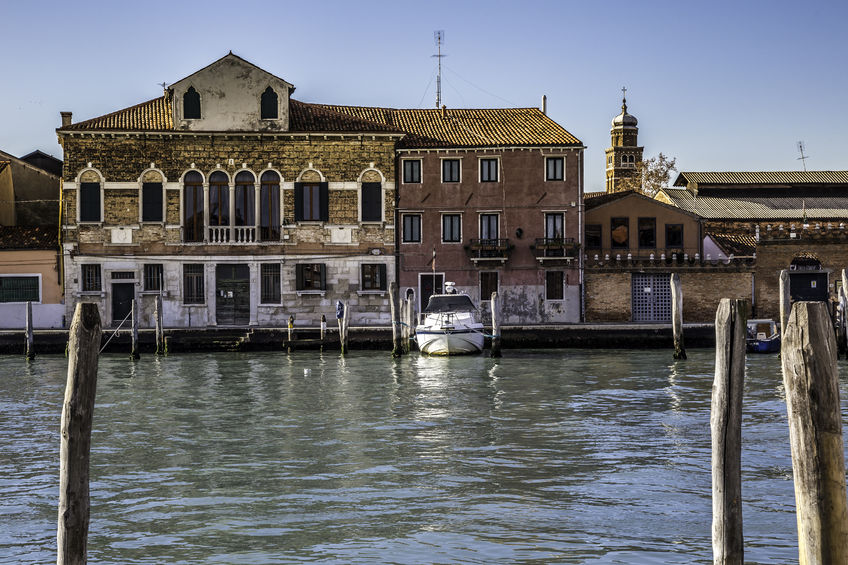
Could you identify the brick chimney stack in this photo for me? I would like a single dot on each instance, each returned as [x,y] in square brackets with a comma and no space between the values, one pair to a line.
[67,117]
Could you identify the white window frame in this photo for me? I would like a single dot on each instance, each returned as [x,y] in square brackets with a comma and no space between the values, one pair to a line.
[442,169]
[420,170]
[403,228]
[480,160]
[545,172]
[442,228]
[40,289]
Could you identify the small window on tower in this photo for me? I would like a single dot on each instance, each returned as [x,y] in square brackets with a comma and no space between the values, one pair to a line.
[269,104]
[191,104]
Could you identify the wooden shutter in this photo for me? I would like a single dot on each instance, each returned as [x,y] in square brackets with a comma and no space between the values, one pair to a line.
[90,202]
[323,276]
[324,202]
[151,202]
[372,202]
[298,202]
[298,275]
[381,272]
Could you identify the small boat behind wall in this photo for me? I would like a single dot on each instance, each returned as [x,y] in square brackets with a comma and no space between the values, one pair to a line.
[763,336]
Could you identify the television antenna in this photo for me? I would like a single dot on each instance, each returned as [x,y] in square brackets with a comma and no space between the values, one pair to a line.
[803,158]
[439,36]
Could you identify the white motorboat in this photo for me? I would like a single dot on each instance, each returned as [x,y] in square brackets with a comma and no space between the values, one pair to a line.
[449,326]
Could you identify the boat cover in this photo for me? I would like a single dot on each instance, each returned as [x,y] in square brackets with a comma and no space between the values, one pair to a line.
[449,303]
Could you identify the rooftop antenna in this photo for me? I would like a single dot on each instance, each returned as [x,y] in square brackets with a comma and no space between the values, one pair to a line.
[439,35]
[803,158]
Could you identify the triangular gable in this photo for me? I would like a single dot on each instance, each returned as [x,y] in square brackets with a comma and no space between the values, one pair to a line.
[638,195]
[234,58]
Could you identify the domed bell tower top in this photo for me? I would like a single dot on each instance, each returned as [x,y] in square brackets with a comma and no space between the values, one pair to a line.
[624,153]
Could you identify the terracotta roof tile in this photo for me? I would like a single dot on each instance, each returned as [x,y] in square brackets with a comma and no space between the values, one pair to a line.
[24,237]
[739,245]
[153,115]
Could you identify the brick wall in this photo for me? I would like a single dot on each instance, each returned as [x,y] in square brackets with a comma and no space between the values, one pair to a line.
[607,297]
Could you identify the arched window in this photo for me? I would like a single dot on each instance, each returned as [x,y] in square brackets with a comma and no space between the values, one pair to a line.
[191,104]
[219,199]
[244,210]
[269,207]
[269,104]
[193,206]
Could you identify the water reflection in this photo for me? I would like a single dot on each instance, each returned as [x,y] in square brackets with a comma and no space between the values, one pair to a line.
[541,456]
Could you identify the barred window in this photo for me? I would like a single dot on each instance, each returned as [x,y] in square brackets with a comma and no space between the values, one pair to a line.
[311,276]
[193,292]
[153,277]
[554,285]
[270,290]
[374,277]
[91,281]
[488,284]
[19,289]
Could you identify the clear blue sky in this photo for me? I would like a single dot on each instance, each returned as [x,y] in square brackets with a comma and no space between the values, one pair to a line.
[720,85]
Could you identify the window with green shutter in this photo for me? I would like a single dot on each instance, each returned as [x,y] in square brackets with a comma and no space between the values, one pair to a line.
[19,289]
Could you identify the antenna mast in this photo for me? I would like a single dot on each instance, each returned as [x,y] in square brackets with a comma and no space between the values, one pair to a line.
[439,35]
[803,158]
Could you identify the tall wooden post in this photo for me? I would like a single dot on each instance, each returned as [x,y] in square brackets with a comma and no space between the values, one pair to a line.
[726,431]
[160,332]
[134,352]
[677,316]
[496,326]
[843,307]
[404,338]
[785,300]
[395,311]
[344,324]
[77,411]
[323,329]
[30,350]
[811,381]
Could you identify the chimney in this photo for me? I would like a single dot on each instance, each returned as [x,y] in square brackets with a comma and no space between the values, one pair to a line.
[544,104]
[66,118]
[443,110]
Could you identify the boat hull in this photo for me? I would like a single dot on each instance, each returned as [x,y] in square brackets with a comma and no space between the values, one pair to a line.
[449,342]
[763,345]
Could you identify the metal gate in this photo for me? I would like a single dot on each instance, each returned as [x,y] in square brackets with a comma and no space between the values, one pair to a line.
[651,297]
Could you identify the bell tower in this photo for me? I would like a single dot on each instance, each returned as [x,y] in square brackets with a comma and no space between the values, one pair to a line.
[624,153]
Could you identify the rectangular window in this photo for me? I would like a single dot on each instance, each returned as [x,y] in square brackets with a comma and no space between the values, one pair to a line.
[153,278]
[488,226]
[620,233]
[647,233]
[311,202]
[19,289]
[269,211]
[450,170]
[89,205]
[193,284]
[674,236]
[372,202]
[488,284]
[373,277]
[219,204]
[270,284]
[593,236]
[193,210]
[91,281]
[554,168]
[412,170]
[412,228]
[123,275]
[151,202]
[488,170]
[452,228]
[555,225]
[311,276]
[554,285]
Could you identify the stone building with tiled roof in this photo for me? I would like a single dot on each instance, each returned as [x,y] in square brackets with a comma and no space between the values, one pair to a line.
[240,205]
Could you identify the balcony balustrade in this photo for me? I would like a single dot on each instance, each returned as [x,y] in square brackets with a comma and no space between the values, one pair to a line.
[553,249]
[488,250]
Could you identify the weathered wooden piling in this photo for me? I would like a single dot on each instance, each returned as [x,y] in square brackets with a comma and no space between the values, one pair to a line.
[785,300]
[496,325]
[843,323]
[345,321]
[30,349]
[291,327]
[395,312]
[810,379]
[160,332]
[677,316]
[134,354]
[323,329]
[409,320]
[726,431]
[77,411]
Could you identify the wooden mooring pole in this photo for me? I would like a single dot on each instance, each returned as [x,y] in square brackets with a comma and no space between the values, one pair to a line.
[785,300]
[726,431]
[496,325]
[810,378]
[77,411]
[134,354]
[345,321]
[30,350]
[160,332]
[395,311]
[409,319]
[677,316]
[842,345]
[323,329]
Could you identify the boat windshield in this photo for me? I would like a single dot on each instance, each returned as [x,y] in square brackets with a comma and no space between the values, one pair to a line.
[449,303]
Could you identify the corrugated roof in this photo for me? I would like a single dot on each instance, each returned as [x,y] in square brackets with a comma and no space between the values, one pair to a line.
[767,178]
[746,206]
[463,127]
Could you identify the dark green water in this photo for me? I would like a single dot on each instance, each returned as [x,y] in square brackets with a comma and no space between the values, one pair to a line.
[558,456]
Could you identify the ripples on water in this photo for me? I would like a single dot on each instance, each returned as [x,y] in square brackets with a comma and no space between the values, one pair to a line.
[543,456]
